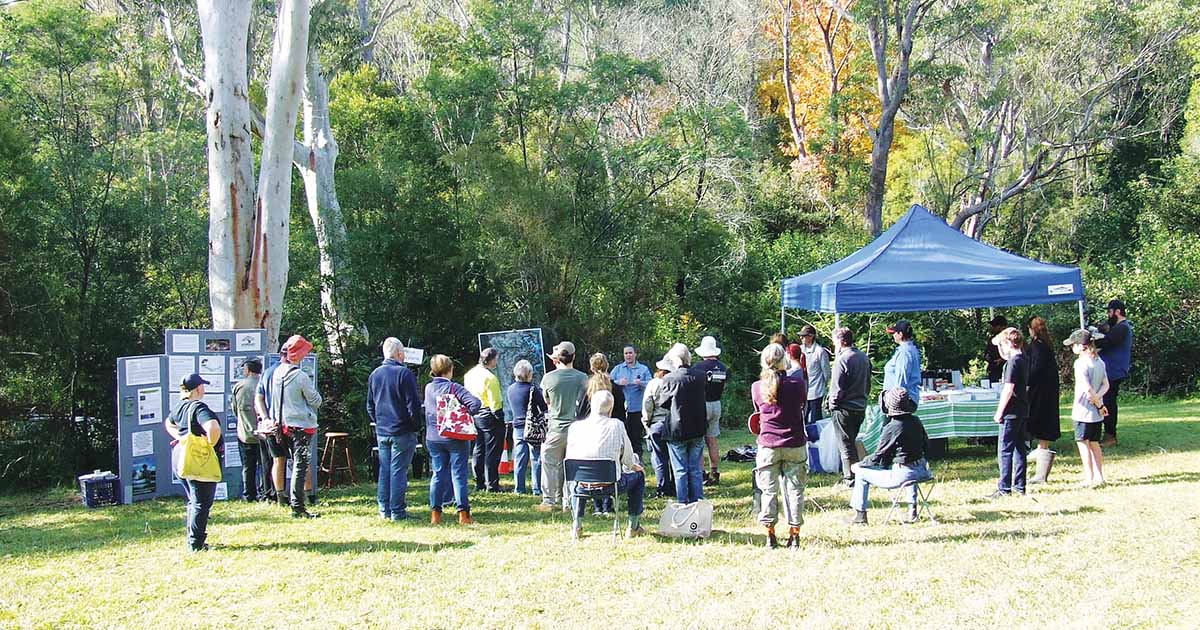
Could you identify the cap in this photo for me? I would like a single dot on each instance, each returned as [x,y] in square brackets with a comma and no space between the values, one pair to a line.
[1115,304]
[998,320]
[563,349]
[807,330]
[1007,333]
[192,382]
[1082,336]
[902,327]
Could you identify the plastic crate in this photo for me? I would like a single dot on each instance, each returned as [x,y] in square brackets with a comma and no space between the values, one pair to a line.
[100,488]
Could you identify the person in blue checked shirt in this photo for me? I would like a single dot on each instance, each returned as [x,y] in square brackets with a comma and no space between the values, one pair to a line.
[632,378]
[904,368]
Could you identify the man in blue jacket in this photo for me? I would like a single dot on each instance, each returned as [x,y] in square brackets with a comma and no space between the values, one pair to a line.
[1116,349]
[394,406]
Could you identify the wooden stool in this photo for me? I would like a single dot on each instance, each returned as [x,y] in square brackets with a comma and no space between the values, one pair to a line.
[329,456]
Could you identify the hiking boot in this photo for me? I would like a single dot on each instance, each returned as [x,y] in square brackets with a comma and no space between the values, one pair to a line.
[304,514]
[435,517]
[312,499]
[772,542]
[860,518]
[634,532]
[793,541]
[712,479]
[464,517]
[1109,441]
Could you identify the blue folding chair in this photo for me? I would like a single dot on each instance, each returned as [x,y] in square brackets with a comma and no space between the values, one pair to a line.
[590,479]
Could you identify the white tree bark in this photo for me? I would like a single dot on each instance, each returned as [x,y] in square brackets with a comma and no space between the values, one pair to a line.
[269,263]
[224,27]
[316,159]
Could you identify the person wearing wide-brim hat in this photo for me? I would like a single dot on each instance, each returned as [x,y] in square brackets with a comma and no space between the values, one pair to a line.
[899,458]
[715,375]
[1087,405]
[991,352]
[195,417]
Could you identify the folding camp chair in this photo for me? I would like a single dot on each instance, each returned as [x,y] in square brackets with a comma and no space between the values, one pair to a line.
[589,479]
[924,491]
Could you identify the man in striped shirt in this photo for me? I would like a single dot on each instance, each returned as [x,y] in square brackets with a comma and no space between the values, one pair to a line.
[600,436]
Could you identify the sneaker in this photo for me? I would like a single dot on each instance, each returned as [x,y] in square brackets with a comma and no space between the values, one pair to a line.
[712,479]
[305,514]
[999,494]
[401,517]
[544,507]
[913,515]
[203,547]
[1109,441]
[634,532]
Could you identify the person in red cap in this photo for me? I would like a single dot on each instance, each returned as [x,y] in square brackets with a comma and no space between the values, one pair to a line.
[288,396]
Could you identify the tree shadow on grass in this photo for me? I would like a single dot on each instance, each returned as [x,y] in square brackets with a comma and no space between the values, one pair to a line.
[760,540]
[352,546]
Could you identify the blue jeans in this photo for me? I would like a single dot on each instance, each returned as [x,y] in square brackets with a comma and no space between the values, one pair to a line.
[685,463]
[523,453]
[893,477]
[451,464]
[1012,449]
[661,459]
[395,456]
[200,495]
[633,485]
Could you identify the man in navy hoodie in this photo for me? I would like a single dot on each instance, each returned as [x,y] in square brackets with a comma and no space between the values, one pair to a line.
[395,407]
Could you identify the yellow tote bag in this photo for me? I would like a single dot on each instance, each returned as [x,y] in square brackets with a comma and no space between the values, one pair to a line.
[194,458]
[199,460]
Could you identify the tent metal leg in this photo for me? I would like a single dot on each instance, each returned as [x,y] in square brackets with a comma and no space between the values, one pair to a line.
[782,319]
[1082,322]
[837,320]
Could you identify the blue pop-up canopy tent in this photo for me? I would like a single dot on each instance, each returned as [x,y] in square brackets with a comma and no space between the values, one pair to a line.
[923,264]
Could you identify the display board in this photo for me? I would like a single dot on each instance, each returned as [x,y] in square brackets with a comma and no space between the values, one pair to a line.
[148,391]
[514,345]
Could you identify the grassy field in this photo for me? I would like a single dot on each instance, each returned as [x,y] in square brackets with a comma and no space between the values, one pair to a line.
[1125,555]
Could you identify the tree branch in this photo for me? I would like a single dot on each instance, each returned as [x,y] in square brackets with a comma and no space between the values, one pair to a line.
[190,80]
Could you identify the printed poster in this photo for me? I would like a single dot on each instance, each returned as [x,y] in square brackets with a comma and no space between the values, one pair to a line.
[186,343]
[143,443]
[179,368]
[248,342]
[222,491]
[149,405]
[141,371]
[143,477]
[212,364]
[233,456]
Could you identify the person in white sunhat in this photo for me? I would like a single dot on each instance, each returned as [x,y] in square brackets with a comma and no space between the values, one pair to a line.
[714,374]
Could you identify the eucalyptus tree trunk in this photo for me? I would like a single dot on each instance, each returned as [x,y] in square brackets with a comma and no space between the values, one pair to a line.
[269,263]
[224,28]
[316,159]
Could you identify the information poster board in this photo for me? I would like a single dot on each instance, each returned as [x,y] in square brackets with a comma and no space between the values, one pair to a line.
[514,345]
[148,391]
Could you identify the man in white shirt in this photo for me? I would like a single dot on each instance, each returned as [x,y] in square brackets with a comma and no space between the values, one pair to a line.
[600,436]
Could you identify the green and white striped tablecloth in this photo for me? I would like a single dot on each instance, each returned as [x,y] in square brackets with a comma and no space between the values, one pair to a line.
[942,419]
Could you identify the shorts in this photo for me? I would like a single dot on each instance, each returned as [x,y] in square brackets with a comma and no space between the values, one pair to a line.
[1088,431]
[275,448]
[713,412]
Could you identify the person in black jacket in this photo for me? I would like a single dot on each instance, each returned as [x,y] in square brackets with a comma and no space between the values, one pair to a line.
[684,391]
[1044,391]
[849,386]
[900,457]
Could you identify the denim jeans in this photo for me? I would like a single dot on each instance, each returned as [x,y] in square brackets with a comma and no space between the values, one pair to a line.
[661,459]
[632,485]
[249,454]
[1012,449]
[266,485]
[781,471]
[686,457]
[450,462]
[395,456]
[893,477]
[301,453]
[523,454]
[489,446]
[200,495]
[554,450]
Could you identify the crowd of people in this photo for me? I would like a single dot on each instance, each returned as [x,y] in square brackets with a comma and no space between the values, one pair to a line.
[611,413]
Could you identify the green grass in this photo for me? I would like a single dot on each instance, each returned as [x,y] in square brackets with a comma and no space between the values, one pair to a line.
[1126,555]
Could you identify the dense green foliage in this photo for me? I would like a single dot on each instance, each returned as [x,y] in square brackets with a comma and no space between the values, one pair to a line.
[636,194]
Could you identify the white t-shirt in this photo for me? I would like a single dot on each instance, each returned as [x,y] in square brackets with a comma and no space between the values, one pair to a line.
[1088,371]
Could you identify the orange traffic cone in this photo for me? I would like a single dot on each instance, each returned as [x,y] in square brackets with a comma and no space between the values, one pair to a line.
[506,466]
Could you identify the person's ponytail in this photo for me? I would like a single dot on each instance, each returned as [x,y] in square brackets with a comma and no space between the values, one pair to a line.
[772,361]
